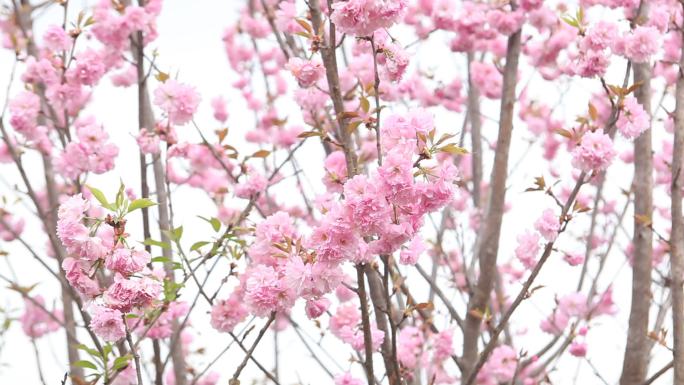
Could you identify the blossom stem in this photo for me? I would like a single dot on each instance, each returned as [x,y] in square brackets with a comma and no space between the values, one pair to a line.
[234,380]
[134,352]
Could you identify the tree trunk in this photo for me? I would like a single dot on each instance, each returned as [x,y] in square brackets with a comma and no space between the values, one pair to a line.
[491,230]
[635,364]
[677,234]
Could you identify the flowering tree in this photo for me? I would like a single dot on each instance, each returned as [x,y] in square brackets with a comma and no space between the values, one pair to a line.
[371,204]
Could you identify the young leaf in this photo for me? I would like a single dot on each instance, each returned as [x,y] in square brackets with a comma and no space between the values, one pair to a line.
[92,352]
[215,224]
[307,134]
[177,233]
[197,245]
[85,364]
[260,154]
[140,204]
[365,104]
[121,362]
[453,149]
[160,259]
[304,24]
[564,133]
[152,242]
[222,134]
[99,195]
[162,76]
[593,112]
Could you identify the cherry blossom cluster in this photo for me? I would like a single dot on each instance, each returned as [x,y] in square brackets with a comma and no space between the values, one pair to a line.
[114,278]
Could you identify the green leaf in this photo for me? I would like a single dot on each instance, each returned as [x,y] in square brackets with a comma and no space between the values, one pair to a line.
[141,204]
[107,349]
[161,259]
[197,245]
[85,364]
[365,104]
[152,242]
[120,196]
[215,223]
[90,351]
[571,21]
[89,21]
[121,362]
[99,195]
[177,233]
[171,290]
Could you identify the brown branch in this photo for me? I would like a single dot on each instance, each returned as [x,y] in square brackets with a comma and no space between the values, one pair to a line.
[475,133]
[524,293]
[365,324]
[383,309]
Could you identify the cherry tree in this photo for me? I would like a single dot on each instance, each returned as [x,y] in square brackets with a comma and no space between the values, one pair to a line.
[385,192]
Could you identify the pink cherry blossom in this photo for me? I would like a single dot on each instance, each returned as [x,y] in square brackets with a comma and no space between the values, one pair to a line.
[226,314]
[548,225]
[307,72]
[37,320]
[108,324]
[363,17]
[594,153]
[56,39]
[641,44]
[316,307]
[487,79]
[410,255]
[126,261]
[347,379]
[527,250]
[633,120]
[179,101]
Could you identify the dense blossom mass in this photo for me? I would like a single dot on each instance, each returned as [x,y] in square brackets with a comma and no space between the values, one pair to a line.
[405,191]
